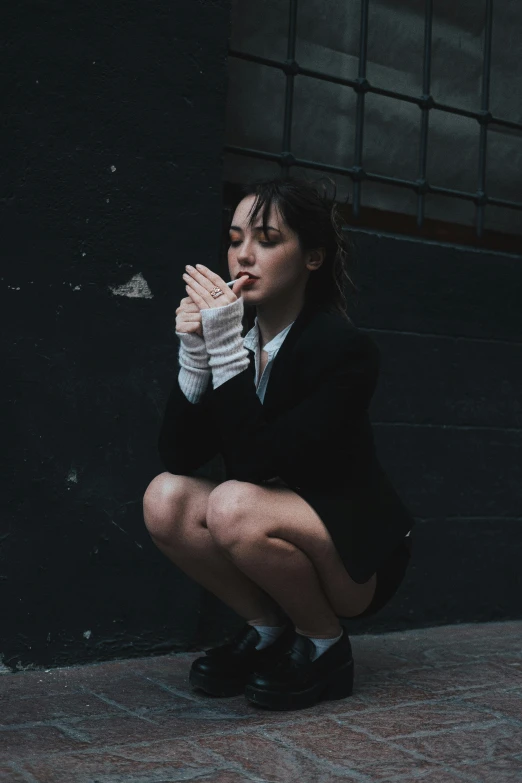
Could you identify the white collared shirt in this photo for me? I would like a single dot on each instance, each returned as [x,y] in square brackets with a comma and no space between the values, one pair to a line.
[252,342]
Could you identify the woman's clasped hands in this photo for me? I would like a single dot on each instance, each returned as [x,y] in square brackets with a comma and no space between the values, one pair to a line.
[200,281]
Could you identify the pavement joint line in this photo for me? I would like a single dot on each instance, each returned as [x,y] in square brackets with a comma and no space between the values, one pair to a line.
[71,732]
[458,645]
[204,775]
[321,761]
[112,749]
[205,713]
[415,754]
[470,763]
[438,732]
[116,704]
[340,768]
[489,711]
[484,759]
[455,642]
[305,719]
[370,709]
[28,776]
[455,689]
[434,689]
[412,774]
[501,689]
[430,667]
[232,765]
[159,713]
[233,731]
[34,724]
[175,691]
[420,637]
[442,700]
[487,760]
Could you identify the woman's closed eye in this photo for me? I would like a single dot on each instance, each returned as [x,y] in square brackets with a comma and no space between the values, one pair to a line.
[235,243]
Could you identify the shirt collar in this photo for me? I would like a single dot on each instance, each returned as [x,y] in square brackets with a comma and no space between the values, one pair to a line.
[251,339]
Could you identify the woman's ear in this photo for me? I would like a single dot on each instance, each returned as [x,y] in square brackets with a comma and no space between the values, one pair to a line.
[316,258]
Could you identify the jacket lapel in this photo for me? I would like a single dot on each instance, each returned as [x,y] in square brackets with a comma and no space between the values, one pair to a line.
[279,391]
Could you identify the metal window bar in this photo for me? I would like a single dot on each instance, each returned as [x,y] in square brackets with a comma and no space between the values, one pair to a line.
[486,69]
[425,113]
[361,86]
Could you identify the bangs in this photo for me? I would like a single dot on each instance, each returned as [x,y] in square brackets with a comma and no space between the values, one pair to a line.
[263,201]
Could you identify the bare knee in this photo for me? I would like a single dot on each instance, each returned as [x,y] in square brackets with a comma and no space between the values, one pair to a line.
[164,505]
[228,506]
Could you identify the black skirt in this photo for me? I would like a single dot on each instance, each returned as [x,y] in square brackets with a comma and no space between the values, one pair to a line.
[389,577]
[367,522]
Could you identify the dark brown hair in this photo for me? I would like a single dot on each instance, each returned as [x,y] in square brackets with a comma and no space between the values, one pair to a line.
[314,217]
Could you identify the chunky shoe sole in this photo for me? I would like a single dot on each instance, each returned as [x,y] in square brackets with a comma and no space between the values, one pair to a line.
[217,686]
[337,684]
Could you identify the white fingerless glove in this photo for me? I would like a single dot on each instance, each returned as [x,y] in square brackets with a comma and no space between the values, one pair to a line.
[194,373]
[222,328]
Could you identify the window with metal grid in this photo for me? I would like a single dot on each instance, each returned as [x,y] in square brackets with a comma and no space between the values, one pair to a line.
[416,115]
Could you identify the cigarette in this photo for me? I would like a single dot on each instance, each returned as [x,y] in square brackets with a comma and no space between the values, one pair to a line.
[232,282]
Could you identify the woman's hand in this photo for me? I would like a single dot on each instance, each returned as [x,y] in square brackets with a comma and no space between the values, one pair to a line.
[188,317]
[201,281]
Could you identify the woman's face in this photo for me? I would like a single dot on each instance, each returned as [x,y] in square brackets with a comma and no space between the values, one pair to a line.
[276,259]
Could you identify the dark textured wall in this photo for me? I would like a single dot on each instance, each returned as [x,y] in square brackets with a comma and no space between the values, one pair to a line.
[111,181]
[448,421]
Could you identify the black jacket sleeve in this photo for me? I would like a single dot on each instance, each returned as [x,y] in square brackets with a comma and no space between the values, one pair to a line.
[329,417]
[187,437]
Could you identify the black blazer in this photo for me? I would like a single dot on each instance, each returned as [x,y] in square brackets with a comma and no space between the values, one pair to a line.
[312,430]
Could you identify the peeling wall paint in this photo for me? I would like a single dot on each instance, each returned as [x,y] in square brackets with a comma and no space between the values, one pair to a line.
[136,287]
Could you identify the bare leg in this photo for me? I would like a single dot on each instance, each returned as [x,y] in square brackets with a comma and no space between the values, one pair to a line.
[275,538]
[287,574]
[174,509]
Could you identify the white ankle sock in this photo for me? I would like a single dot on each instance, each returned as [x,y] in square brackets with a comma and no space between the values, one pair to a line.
[268,634]
[321,645]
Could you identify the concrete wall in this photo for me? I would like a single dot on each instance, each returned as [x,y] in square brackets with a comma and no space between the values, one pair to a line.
[111,182]
[448,421]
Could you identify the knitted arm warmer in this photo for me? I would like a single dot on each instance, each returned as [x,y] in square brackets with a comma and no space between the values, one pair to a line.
[194,372]
[222,332]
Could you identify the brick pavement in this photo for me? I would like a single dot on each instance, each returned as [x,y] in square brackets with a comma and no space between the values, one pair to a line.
[437,705]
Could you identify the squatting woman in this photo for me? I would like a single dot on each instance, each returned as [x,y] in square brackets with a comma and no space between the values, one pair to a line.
[274,376]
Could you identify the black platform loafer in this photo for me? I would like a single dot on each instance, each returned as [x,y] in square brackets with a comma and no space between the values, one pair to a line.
[294,681]
[224,670]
